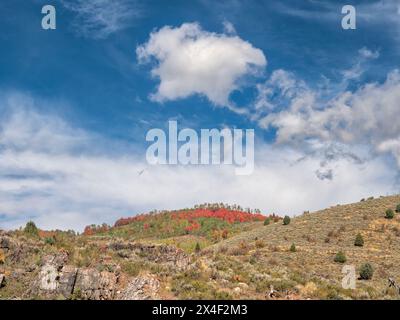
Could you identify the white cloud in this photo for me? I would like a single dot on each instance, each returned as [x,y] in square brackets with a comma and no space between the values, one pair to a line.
[368,54]
[99,18]
[229,28]
[69,185]
[366,116]
[192,61]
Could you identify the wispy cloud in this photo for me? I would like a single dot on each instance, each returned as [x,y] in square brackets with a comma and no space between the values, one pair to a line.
[375,14]
[100,18]
[63,177]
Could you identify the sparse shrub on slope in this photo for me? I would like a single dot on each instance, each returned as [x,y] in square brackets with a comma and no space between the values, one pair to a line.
[398,208]
[260,244]
[267,221]
[293,248]
[286,220]
[31,229]
[197,249]
[359,241]
[49,240]
[389,214]
[340,257]
[366,271]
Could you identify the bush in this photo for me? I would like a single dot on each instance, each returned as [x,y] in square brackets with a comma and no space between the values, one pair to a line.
[50,240]
[286,220]
[267,221]
[366,271]
[197,249]
[31,229]
[340,257]
[359,241]
[260,244]
[398,208]
[389,214]
[293,248]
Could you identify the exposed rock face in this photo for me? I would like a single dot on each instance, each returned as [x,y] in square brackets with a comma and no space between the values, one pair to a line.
[94,285]
[48,278]
[55,278]
[167,255]
[66,282]
[51,273]
[141,288]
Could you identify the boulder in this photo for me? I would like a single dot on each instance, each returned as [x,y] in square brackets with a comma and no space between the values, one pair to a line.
[48,278]
[51,272]
[66,282]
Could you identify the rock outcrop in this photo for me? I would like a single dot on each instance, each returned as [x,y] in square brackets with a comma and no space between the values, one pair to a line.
[57,278]
[51,273]
[167,255]
[94,285]
[16,250]
[141,288]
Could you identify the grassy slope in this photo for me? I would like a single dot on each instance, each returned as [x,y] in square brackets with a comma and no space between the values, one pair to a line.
[253,258]
[183,228]
[320,235]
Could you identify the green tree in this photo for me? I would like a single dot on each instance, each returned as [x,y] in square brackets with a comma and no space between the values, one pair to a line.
[340,257]
[31,229]
[366,271]
[389,214]
[197,248]
[359,241]
[286,220]
[267,221]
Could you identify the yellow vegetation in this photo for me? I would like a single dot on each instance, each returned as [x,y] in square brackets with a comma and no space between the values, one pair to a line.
[2,257]
[309,289]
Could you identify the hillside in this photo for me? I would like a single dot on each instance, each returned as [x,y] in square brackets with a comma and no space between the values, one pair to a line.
[205,225]
[208,252]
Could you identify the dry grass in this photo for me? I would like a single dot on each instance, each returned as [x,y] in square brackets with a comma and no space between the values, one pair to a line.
[320,235]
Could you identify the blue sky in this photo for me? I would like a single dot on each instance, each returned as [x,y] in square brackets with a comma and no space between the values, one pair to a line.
[76,103]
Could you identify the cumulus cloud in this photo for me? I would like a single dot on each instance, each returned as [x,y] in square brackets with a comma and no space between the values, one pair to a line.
[65,177]
[188,60]
[100,18]
[363,117]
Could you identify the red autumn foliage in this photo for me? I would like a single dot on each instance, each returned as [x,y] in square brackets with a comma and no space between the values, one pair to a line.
[93,229]
[46,234]
[192,226]
[230,216]
[125,221]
